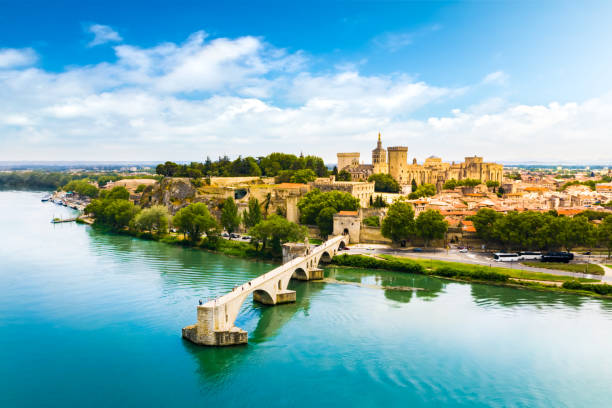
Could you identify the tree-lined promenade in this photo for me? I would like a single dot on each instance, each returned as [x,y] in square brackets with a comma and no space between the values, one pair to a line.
[530,230]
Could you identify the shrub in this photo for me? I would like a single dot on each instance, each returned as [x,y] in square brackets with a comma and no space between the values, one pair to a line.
[600,289]
[372,221]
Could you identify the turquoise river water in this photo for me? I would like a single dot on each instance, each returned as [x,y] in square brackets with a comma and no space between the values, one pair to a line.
[92,319]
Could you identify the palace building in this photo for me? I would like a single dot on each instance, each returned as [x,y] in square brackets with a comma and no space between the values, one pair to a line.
[394,161]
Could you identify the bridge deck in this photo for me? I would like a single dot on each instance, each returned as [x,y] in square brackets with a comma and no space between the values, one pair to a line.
[276,273]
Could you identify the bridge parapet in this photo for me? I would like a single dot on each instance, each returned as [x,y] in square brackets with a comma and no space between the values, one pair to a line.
[216,318]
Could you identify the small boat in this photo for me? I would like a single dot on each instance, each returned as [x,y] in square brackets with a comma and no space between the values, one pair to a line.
[46,198]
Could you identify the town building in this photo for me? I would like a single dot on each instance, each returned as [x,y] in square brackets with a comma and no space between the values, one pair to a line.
[394,161]
[360,190]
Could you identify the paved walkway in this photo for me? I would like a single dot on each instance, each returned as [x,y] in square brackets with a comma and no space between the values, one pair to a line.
[470,258]
[607,271]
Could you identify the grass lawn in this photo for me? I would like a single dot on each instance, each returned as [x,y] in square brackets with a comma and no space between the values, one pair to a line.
[513,273]
[315,241]
[592,268]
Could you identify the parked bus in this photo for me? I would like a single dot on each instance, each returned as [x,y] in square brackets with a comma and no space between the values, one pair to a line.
[558,257]
[529,255]
[503,257]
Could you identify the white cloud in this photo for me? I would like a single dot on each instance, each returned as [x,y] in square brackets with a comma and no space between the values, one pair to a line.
[103,34]
[11,57]
[496,78]
[244,96]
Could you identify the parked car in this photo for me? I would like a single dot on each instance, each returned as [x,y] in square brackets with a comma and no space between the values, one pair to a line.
[463,250]
[246,238]
[232,235]
[225,235]
[557,257]
[417,249]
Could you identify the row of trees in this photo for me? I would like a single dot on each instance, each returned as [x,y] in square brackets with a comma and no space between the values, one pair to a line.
[114,210]
[400,225]
[452,183]
[282,165]
[531,230]
[82,187]
[424,190]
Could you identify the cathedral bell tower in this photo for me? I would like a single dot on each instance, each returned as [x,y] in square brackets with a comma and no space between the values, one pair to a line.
[379,158]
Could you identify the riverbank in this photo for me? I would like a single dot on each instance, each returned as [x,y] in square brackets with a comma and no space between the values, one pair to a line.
[498,276]
[244,250]
[475,274]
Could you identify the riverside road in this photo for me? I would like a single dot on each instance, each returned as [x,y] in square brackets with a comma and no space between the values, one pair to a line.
[476,258]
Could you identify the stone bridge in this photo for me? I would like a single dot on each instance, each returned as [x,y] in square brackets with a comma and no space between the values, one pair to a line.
[215,325]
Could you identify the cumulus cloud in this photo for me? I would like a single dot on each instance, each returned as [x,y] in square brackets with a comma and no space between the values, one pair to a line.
[103,34]
[11,57]
[244,96]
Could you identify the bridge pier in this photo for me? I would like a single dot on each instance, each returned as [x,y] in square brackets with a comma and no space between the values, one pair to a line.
[229,337]
[310,274]
[282,296]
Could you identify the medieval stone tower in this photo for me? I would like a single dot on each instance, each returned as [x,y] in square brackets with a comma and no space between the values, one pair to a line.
[379,158]
[347,159]
[398,160]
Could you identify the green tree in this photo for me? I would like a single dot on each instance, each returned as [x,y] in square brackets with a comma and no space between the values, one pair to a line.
[325,221]
[252,216]
[604,233]
[431,225]
[424,190]
[384,183]
[230,219]
[378,202]
[484,222]
[344,175]
[277,230]
[399,224]
[469,182]
[303,176]
[311,204]
[118,213]
[116,193]
[493,184]
[82,187]
[372,221]
[450,184]
[140,188]
[414,185]
[195,220]
[154,219]
[577,231]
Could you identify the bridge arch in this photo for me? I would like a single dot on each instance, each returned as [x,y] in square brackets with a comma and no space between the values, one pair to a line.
[263,296]
[326,257]
[300,274]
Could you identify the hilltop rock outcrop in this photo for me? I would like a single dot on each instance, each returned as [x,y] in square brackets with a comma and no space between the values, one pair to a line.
[174,193]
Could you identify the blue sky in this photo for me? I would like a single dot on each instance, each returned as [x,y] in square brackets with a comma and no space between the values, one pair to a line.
[509,80]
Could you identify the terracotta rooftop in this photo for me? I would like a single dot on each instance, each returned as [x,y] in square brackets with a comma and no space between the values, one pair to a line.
[348,213]
[290,185]
[569,211]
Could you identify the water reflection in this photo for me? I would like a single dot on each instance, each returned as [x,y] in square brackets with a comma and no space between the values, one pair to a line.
[487,295]
[273,318]
[428,288]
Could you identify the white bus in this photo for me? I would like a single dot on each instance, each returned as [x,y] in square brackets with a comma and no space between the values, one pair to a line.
[530,255]
[502,257]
